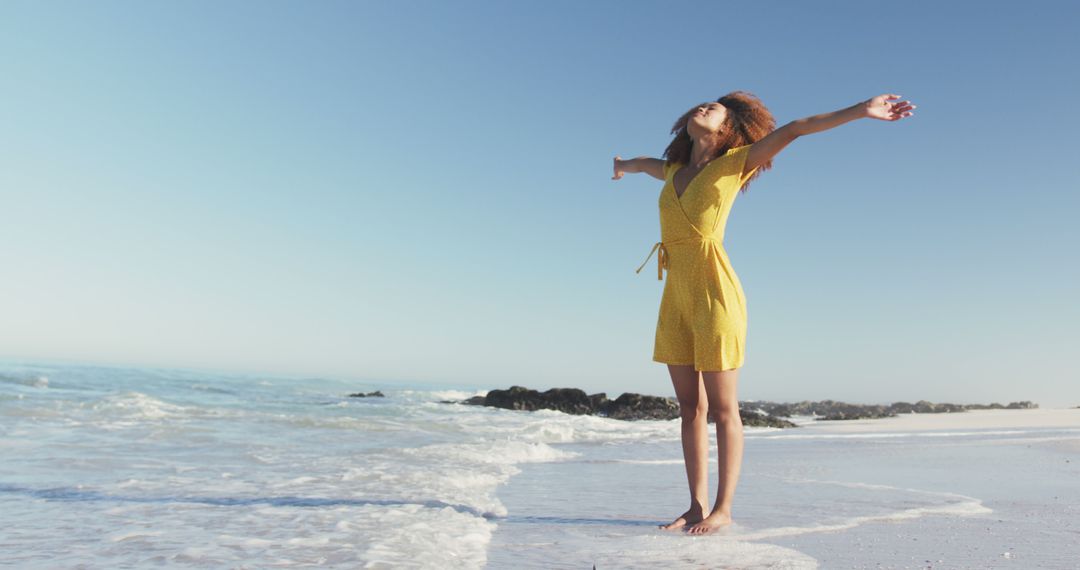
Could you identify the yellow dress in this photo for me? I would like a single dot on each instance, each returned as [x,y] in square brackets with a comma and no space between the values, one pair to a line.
[702,317]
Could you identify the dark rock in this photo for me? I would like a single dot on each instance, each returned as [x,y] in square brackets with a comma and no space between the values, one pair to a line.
[993,406]
[629,406]
[758,419]
[825,409]
[567,400]
[1025,405]
[632,406]
[375,394]
[833,410]
[924,407]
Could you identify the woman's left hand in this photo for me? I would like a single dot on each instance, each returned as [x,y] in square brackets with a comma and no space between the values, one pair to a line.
[881,107]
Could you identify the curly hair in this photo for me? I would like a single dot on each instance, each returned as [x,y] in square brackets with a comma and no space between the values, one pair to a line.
[747,121]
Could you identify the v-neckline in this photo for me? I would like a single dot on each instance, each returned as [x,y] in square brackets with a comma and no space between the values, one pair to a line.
[678,197]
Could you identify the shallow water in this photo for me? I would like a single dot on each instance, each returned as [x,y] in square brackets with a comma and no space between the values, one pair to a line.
[113,467]
[906,492]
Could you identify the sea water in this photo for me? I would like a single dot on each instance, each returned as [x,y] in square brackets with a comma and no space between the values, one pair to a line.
[104,467]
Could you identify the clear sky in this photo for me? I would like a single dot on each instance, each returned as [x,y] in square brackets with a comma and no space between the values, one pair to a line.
[408,192]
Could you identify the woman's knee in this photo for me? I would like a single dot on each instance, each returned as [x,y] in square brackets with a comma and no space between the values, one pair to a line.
[726,415]
[694,413]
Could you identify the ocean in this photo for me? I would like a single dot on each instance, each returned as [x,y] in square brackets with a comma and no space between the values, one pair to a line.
[109,467]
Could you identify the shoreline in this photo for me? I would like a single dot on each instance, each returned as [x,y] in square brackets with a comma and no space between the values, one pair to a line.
[947,490]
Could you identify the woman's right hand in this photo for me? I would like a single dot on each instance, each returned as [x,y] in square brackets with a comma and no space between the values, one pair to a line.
[619,167]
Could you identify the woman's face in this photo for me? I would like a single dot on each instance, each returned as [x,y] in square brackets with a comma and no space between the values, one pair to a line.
[706,119]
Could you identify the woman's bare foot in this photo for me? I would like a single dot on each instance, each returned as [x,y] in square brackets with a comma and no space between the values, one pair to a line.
[693,515]
[715,520]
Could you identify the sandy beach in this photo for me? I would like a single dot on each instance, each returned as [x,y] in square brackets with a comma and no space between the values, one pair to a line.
[978,489]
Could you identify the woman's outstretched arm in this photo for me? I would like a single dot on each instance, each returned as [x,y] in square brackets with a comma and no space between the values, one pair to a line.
[652,166]
[880,107]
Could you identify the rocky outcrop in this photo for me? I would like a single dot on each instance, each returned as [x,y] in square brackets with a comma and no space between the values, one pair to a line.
[629,406]
[375,394]
[833,410]
[758,419]
[568,400]
[1024,405]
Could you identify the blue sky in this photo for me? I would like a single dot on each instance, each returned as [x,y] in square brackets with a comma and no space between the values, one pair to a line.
[404,192]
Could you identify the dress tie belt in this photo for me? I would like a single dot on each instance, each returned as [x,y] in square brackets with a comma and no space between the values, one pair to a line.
[662,257]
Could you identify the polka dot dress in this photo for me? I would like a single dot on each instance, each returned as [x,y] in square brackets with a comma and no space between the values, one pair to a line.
[702,317]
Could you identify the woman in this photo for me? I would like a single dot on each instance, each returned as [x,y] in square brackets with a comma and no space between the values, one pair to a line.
[701,329]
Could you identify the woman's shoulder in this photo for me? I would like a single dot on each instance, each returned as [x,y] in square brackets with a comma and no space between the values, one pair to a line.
[735,155]
[670,167]
[737,149]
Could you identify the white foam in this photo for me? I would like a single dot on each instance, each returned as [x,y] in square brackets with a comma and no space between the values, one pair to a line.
[140,535]
[463,475]
[550,426]
[439,395]
[456,394]
[135,406]
[296,481]
[954,505]
[416,537]
[665,549]
[556,427]
[505,452]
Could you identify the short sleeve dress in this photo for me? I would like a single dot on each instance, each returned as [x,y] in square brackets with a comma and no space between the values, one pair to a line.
[702,318]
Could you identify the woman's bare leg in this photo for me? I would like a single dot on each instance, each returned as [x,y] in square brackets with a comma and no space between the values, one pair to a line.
[720,388]
[693,407]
